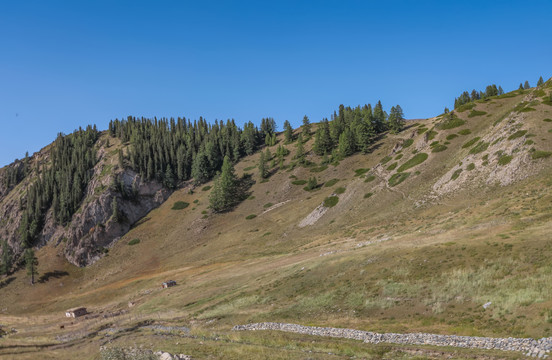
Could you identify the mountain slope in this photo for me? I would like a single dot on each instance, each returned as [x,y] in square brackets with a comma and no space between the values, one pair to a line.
[420,249]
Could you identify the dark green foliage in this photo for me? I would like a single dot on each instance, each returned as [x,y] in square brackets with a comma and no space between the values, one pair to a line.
[452,136]
[322,140]
[179,205]
[465,107]
[288,132]
[319,169]
[385,160]
[526,86]
[398,157]
[311,184]
[225,193]
[263,168]
[346,143]
[7,259]
[31,264]
[331,182]
[415,160]
[367,195]
[398,178]
[331,201]
[359,172]
[456,174]
[540,154]
[249,217]
[206,188]
[267,205]
[470,167]
[540,82]
[299,182]
[421,130]
[407,143]
[134,242]
[61,185]
[464,132]
[339,190]
[306,131]
[475,113]
[466,97]
[438,148]
[431,134]
[300,153]
[504,159]
[480,147]
[471,142]
[547,120]
[517,134]
[396,119]
[14,173]
[370,178]
[451,121]
[392,167]
[115,211]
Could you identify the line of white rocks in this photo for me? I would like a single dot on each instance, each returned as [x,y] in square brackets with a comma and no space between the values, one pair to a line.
[530,347]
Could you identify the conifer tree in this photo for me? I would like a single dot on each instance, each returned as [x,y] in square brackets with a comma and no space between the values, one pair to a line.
[323,139]
[7,259]
[31,263]
[300,154]
[540,82]
[263,172]
[223,196]
[121,159]
[379,118]
[288,132]
[520,86]
[346,145]
[526,85]
[306,127]
[500,91]
[396,119]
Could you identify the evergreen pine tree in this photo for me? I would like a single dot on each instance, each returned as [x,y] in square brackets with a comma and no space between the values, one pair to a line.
[500,91]
[300,154]
[121,159]
[323,140]
[31,263]
[263,172]
[526,85]
[396,119]
[540,82]
[288,132]
[306,127]
[7,259]
[346,144]
[223,196]
[520,86]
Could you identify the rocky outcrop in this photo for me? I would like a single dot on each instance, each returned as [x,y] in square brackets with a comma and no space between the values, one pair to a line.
[92,228]
[531,347]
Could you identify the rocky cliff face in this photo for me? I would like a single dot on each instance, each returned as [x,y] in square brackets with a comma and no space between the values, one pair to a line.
[92,228]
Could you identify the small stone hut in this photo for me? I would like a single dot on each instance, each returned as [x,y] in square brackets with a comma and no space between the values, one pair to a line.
[76,312]
[168,284]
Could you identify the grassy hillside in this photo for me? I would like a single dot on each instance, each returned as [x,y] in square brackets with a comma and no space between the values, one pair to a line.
[438,220]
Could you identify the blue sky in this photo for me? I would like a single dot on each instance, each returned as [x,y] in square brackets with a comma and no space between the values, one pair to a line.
[65,64]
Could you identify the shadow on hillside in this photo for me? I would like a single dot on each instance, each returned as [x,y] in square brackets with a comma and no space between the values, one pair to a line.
[5,282]
[52,274]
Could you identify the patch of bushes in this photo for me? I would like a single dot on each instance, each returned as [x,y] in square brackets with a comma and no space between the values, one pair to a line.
[465,107]
[340,190]
[331,182]
[517,134]
[385,160]
[319,168]
[529,142]
[331,201]
[415,160]
[505,159]
[299,182]
[480,147]
[475,113]
[456,174]
[398,178]
[392,166]
[439,148]
[249,217]
[540,154]
[547,120]
[407,143]
[452,123]
[422,130]
[249,168]
[370,178]
[398,157]
[471,142]
[206,188]
[359,172]
[267,205]
[431,134]
[179,205]
[367,195]
[464,132]
[452,136]
[470,167]
[134,242]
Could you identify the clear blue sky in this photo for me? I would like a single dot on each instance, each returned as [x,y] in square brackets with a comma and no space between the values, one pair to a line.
[65,64]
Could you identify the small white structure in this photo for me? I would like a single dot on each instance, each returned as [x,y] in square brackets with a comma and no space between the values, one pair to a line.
[76,312]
